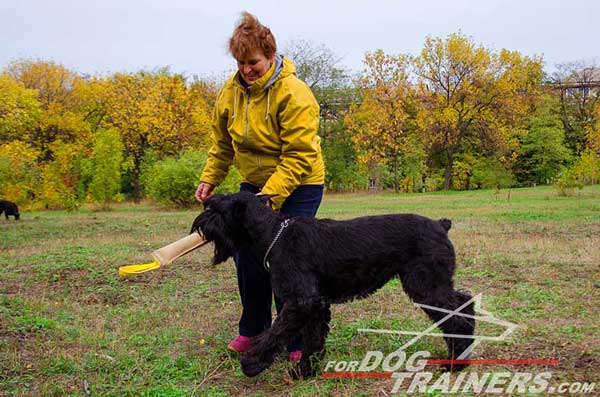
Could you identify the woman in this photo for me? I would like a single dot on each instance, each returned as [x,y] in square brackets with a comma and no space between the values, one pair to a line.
[266,123]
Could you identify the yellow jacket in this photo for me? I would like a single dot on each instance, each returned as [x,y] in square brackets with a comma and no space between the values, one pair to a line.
[269,131]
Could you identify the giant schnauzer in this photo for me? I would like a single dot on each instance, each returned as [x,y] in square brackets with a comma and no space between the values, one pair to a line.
[316,262]
[9,208]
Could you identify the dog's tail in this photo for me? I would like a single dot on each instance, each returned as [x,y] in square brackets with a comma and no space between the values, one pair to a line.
[446,223]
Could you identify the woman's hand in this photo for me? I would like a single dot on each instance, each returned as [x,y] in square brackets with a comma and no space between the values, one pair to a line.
[204,191]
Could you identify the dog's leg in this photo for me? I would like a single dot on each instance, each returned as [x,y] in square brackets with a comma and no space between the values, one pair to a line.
[455,325]
[265,346]
[314,334]
[433,287]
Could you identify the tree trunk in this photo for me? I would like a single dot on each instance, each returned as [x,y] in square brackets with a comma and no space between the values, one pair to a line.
[138,155]
[448,179]
[396,181]
[135,178]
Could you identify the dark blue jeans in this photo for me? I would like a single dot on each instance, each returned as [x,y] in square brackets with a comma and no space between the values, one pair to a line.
[253,280]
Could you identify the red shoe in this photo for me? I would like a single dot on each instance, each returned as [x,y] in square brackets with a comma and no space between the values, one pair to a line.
[240,344]
[296,356]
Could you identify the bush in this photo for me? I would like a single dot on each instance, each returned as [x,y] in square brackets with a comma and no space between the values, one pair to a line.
[434,181]
[567,181]
[492,174]
[174,180]
[231,183]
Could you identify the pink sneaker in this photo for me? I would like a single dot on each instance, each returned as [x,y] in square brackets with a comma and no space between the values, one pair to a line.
[296,356]
[240,344]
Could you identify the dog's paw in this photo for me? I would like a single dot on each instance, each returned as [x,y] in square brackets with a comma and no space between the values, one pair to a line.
[251,366]
[454,367]
[456,348]
[303,370]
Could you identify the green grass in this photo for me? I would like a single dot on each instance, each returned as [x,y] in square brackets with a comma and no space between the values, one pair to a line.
[68,322]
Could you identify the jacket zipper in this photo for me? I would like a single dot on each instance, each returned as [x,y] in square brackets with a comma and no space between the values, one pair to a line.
[262,174]
[247,106]
[260,169]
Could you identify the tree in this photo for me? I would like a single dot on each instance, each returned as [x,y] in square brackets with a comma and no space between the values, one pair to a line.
[105,168]
[382,122]
[316,65]
[343,172]
[19,110]
[156,110]
[320,68]
[543,152]
[59,120]
[62,178]
[578,86]
[19,173]
[471,93]
[90,99]
[594,132]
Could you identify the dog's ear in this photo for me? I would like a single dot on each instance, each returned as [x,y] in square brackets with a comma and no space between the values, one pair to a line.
[238,209]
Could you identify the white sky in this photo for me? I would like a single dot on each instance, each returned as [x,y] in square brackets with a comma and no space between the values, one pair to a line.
[190,36]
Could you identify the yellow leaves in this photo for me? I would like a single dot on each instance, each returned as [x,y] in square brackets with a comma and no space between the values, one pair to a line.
[19,109]
[18,152]
[53,81]
[593,132]
[65,155]
[57,116]
[471,90]
[448,116]
[158,110]
[61,176]
[379,122]
[386,74]
[18,172]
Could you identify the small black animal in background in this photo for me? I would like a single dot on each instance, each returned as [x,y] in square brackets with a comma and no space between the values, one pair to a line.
[9,208]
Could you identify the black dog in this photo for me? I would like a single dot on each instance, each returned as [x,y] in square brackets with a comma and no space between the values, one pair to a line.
[9,208]
[314,263]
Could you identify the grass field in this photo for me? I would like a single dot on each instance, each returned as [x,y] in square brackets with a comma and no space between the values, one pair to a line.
[70,326]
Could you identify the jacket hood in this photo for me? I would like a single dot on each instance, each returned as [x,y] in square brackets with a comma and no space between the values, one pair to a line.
[278,69]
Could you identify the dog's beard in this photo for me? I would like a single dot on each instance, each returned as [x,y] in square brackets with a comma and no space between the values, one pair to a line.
[224,250]
[215,231]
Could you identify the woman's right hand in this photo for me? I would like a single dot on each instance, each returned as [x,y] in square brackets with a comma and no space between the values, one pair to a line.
[204,191]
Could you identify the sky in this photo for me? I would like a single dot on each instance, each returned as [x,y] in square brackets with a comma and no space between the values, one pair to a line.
[190,36]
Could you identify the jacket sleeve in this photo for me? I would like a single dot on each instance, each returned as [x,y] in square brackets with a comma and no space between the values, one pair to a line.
[298,118]
[220,155]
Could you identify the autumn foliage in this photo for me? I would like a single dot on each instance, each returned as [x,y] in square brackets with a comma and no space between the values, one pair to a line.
[457,115]
[67,128]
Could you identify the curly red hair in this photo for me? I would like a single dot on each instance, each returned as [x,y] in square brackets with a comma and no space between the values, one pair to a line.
[250,35]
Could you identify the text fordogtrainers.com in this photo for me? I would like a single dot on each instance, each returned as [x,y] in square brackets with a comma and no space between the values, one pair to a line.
[410,376]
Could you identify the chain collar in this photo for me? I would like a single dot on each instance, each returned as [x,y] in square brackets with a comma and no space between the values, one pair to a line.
[284,224]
